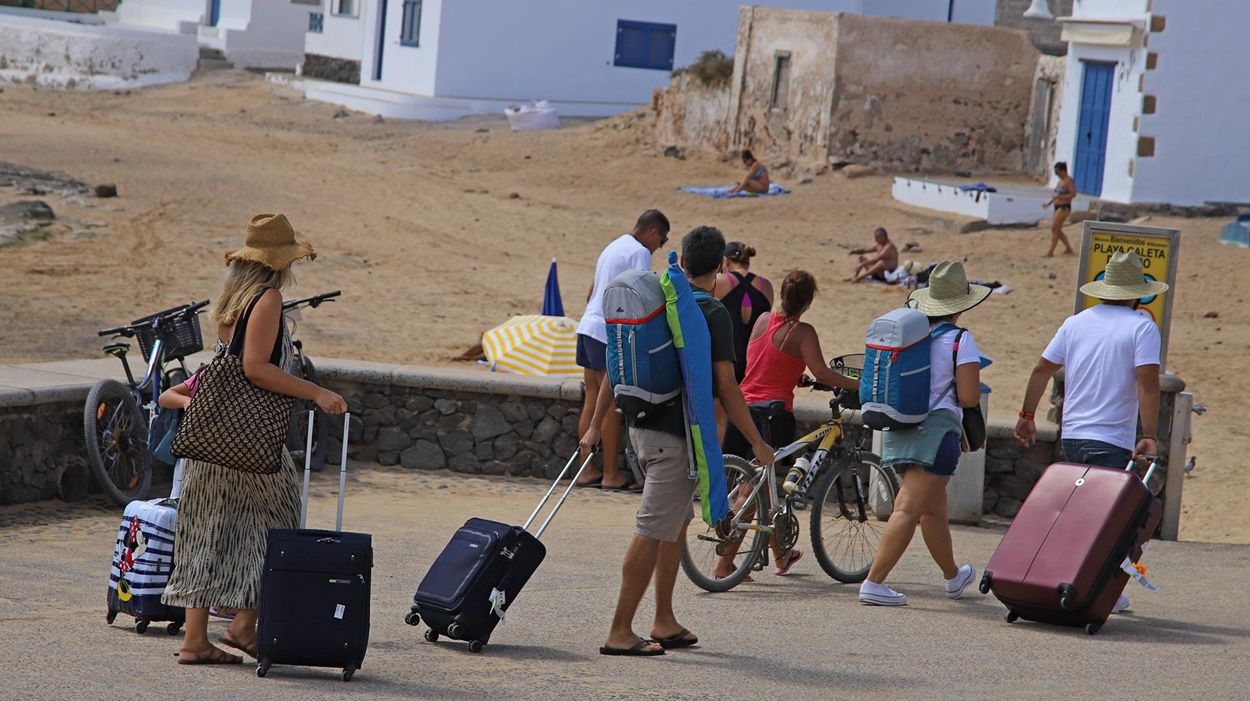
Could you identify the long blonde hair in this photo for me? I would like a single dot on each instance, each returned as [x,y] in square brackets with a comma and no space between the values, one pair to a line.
[244,280]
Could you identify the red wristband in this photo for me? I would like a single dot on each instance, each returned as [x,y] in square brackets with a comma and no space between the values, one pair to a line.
[1027,416]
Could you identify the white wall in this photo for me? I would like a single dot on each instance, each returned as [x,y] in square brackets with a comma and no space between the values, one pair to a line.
[102,57]
[965,11]
[259,33]
[1202,91]
[341,36]
[162,14]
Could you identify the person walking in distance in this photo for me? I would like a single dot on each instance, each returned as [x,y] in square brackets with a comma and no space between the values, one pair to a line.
[1110,353]
[224,515]
[664,453]
[1065,192]
[926,456]
[630,251]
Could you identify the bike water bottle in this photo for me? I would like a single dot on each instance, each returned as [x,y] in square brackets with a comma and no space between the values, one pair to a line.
[796,475]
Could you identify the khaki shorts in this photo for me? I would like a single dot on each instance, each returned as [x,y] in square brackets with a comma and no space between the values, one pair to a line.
[668,492]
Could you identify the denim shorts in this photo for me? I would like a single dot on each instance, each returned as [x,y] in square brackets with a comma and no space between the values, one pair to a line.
[591,354]
[1090,452]
[946,460]
[935,445]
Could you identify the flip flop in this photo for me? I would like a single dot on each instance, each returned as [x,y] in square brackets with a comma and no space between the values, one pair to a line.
[639,649]
[678,641]
[211,656]
[631,486]
[229,641]
[795,556]
[592,484]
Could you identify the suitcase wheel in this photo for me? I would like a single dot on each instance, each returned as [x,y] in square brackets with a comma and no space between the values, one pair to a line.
[141,626]
[1011,617]
[984,587]
[1067,595]
[348,673]
[110,616]
[262,667]
[173,628]
[475,646]
[412,619]
[454,630]
[431,635]
[1092,628]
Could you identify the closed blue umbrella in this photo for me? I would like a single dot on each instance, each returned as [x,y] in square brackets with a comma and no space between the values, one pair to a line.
[552,304]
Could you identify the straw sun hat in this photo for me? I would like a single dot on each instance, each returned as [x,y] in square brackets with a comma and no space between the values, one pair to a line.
[271,242]
[948,291]
[1123,279]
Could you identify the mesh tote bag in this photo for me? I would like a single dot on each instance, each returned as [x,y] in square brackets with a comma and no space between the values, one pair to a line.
[230,421]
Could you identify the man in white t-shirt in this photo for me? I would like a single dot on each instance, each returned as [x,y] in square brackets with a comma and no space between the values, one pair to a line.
[631,251]
[1111,352]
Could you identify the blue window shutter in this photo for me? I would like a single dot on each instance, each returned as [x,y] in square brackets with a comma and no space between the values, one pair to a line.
[645,45]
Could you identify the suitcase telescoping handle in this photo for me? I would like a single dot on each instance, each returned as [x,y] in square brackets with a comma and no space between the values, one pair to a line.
[1132,464]
[565,495]
[303,502]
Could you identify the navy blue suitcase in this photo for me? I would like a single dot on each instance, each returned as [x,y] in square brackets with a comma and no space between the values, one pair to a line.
[314,592]
[479,574]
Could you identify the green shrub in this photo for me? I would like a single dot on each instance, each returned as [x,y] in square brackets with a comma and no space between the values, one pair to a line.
[711,68]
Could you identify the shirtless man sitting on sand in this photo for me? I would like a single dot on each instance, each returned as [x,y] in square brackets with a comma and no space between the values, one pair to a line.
[883,258]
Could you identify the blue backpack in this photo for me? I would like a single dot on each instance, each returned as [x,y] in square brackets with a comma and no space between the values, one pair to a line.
[642,361]
[894,386]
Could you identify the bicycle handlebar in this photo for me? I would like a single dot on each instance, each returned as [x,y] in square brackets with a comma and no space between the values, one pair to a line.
[314,301]
[156,319]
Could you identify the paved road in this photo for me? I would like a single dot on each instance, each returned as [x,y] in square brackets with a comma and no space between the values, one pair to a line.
[800,637]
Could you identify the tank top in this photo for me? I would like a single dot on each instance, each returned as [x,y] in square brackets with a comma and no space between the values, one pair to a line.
[771,372]
[742,295]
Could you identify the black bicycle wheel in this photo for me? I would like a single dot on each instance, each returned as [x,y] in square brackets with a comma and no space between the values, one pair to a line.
[850,504]
[117,442]
[297,433]
[703,547]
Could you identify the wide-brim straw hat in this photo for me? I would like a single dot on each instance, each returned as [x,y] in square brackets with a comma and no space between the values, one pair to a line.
[1124,279]
[948,291]
[271,242]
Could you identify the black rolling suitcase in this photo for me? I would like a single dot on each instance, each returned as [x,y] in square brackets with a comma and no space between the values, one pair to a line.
[480,573]
[314,592]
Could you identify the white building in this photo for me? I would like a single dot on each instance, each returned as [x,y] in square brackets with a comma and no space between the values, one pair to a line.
[1156,101]
[251,33]
[440,59]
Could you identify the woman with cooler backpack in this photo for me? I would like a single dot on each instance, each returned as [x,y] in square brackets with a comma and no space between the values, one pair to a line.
[924,447]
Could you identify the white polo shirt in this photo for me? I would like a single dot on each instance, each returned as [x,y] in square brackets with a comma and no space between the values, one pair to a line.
[1101,349]
[625,253]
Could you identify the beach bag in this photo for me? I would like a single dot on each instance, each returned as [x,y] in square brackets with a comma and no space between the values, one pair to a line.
[230,421]
[642,361]
[894,386]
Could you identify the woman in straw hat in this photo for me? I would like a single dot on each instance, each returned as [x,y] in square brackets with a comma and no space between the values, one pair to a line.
[225,514]
[925,456]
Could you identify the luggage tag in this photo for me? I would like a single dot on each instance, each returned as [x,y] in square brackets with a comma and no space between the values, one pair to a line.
[1137,572]
[497,601]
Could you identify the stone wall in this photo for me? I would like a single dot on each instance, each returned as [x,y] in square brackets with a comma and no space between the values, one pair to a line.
[690,115]
[339,70]
[41,449]
[1044,33]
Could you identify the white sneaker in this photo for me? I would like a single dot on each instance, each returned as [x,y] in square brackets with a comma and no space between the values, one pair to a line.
[880,595]
[955,587]
[1121,604]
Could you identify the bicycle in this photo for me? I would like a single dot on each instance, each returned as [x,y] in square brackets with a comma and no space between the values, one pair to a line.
[117,418]
[302,366]
[849,495]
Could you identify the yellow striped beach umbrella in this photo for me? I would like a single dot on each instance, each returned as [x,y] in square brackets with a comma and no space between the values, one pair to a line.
[534,345]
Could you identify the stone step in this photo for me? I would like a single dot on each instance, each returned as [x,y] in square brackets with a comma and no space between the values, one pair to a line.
[210,52]
[213,64]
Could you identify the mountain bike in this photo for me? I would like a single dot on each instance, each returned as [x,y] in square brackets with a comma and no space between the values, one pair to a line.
[302,366]
[845,489]
[117,417]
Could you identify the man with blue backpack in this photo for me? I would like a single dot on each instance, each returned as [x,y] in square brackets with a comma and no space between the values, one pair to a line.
[647,386]
[921,372]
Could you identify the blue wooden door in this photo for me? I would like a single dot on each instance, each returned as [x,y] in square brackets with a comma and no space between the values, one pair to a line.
[214,12]
[1091,137]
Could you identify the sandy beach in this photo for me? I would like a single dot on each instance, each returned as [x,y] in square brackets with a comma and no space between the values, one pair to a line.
[436,232]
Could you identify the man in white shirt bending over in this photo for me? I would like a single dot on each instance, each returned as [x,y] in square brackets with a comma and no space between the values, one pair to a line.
[1111,352]
[631,251]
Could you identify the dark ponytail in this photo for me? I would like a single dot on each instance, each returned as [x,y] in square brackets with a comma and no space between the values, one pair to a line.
[798,289]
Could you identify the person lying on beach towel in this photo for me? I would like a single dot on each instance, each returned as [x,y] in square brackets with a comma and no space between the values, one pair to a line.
[723,192]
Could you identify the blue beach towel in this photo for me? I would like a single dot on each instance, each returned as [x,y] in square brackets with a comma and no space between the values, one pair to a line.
[721,192]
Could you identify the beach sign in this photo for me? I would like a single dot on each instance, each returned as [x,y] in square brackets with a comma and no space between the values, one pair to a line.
[1158,250]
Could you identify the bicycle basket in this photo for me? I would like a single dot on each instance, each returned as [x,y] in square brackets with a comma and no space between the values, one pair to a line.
[181,337]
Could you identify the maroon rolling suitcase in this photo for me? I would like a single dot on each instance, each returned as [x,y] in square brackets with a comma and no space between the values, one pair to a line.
[1061,560]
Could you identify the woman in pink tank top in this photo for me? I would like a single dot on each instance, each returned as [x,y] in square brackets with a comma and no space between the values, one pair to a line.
[780,349]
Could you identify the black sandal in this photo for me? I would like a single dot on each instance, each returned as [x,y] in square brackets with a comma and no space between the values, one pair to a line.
[639,649]
[678,641]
